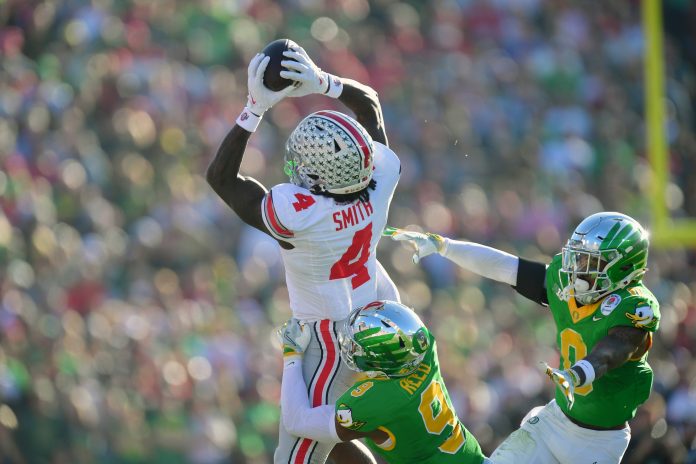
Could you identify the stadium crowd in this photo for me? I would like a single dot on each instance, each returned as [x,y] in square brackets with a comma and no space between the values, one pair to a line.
[137,312]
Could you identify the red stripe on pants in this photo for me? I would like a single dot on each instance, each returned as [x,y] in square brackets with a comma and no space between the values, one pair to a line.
[302,452]
[330,356]
[325,334]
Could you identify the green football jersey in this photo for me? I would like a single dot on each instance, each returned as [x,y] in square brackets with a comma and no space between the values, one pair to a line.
[416,413]
[613,398]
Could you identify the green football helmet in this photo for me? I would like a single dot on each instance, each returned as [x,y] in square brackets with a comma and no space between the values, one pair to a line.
[606,252]
[384,337]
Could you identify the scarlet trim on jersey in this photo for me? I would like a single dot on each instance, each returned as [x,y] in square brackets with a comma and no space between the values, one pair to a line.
[325,333]
[352,130]
[270,219]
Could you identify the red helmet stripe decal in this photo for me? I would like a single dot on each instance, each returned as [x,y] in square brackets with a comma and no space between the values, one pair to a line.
[352,130]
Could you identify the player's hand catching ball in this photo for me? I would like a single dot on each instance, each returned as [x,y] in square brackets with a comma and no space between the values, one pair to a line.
[425,244]
[565,380]
[309,77]
[260,98]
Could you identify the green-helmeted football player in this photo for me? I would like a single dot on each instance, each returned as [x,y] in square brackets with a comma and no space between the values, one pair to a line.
[400,406]
[605,318]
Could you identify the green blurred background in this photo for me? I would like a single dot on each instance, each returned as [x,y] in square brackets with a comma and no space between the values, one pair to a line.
[136,310]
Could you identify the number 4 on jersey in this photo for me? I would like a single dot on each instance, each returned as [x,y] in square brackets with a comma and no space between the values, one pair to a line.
[303,202]
[352,263]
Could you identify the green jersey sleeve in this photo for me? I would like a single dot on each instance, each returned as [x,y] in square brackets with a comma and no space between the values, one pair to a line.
[363,406]
[634,306]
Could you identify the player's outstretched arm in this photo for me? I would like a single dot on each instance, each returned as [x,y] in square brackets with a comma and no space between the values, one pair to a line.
[364,102]
[527,277]
[360,98]
[244,194]
[480,259]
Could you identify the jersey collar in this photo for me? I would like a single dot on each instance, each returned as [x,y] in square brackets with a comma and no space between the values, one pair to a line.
[580,313]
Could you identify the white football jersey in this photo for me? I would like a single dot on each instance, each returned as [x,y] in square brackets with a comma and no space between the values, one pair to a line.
[332,268]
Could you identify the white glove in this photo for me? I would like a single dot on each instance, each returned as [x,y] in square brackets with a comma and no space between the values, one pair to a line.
[295,336]
[310,78]
[565,380]
[260,98]
[426,244]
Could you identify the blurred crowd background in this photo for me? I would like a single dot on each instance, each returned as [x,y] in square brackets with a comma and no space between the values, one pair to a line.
[137,311]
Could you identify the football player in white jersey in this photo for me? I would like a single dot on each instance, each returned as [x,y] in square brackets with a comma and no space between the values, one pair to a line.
[327,220]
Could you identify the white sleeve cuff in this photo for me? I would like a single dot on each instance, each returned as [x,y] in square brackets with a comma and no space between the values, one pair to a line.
[335,86]
[588,373]
[480,259]
[248,120]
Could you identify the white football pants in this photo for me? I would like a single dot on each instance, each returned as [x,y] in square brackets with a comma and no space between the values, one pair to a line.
[546,435]
[327,377]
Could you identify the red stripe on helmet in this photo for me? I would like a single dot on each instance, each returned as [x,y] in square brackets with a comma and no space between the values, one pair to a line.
[350,127]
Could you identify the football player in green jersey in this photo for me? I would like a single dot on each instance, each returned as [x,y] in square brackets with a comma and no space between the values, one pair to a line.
[605,318]
[400,406]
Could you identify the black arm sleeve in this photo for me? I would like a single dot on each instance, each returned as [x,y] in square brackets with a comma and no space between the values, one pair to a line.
[531,281]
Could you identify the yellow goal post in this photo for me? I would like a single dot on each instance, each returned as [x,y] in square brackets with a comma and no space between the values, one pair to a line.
[666,232]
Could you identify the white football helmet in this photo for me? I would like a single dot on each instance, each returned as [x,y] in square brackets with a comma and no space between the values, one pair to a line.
[330,152]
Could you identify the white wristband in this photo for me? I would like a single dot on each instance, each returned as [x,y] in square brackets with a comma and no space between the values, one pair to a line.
[248,120]
[289,360]
[335,86]
[585,372]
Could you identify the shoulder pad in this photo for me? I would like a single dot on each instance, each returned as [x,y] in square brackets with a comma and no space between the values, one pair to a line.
[635,305]
[386,161]
[285,209]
